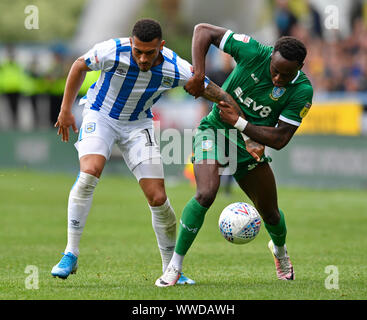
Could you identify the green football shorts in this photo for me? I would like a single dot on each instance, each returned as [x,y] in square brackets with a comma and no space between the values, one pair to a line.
[211,144]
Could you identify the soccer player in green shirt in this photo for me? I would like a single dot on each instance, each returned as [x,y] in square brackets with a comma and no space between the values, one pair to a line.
[274,95]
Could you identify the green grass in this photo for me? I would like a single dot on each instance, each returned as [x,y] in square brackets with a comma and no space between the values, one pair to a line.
[119,258]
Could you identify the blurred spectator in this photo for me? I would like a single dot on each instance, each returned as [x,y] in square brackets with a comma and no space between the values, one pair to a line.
[56,78]
[284,18]
[37,88]
[13,80]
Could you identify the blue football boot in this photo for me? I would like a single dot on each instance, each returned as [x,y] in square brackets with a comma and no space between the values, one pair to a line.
[68,264]
[184,280]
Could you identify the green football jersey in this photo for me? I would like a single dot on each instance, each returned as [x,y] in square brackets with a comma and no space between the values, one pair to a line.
[251,86]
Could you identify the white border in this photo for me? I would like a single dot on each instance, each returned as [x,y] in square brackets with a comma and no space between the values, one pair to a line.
[295,123]
[224,39]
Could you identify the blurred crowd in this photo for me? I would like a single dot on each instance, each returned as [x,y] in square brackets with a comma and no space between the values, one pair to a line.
[38,82]
[336,62]
[337,59]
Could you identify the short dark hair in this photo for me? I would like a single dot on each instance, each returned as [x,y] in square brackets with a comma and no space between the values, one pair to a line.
[147,30]
[291,49]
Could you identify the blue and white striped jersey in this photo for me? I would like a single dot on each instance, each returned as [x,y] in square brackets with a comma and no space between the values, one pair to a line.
[124,92]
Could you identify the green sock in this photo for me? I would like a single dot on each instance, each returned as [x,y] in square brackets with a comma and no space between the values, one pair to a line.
[278,232]
[191,221]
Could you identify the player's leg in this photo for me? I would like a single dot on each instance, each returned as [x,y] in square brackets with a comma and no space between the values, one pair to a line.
[142,156]
[259,184]
[192,219]
[81,196]
[93,152]
[163,216]
[206,171]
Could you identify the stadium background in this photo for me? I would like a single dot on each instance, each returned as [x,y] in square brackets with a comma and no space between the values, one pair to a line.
[31,88]
[329,152]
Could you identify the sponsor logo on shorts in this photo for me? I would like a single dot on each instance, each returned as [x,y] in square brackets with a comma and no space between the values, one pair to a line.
[207,145]
[251,166]
[305,110]
[90,127]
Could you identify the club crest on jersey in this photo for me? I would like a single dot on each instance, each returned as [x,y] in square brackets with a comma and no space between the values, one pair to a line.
[305,110]
[277,93]
[90,127]
[207,145]
[167,82]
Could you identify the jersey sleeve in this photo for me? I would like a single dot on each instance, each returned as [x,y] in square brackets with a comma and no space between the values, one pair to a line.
[185,72]
[101,55]
[243,48]
[298,106]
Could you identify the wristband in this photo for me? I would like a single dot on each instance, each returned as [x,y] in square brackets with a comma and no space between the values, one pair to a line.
[241,124]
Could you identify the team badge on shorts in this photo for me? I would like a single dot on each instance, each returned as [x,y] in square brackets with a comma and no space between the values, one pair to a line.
[207,145]
[90,127]
[305,110]
[167,82]
[277,93]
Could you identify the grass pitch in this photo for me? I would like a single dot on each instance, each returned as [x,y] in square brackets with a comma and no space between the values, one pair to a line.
[120,260]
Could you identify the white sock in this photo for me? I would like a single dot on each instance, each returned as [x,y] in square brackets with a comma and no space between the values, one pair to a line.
[164,226]
[80,201]
[177,261]
[280,252]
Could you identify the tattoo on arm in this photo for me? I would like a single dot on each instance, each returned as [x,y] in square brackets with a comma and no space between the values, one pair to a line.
[216,94]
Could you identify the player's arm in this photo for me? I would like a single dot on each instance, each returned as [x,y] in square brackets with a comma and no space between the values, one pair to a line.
[204,35]
[274,137]
[73,83]
[216,94]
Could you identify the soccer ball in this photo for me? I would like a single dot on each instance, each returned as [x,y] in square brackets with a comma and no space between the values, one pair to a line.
[239,223]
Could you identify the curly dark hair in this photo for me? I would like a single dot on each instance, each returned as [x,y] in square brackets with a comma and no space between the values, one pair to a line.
[291,49]
[147,30]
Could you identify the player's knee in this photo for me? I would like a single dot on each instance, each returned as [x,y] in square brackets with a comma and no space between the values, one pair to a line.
[84,185]
[205,197]
[157,198]
[93,171]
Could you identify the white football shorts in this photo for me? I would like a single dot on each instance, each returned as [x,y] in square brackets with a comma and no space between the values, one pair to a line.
[135,139]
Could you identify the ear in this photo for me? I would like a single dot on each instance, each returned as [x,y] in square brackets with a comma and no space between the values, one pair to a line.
[163,42]
[131,41]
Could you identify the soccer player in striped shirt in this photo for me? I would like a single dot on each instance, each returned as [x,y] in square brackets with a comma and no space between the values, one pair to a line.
[135,72]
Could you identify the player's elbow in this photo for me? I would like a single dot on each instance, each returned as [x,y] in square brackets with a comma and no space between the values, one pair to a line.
[79,65]
[280,143]
[201,27]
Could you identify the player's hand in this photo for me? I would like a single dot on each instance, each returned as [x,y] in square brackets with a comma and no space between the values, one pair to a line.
[195,86]
[228,113]
[64,121]
[255,149]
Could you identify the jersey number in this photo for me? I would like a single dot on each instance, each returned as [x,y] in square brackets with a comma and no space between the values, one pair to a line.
[149,143]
